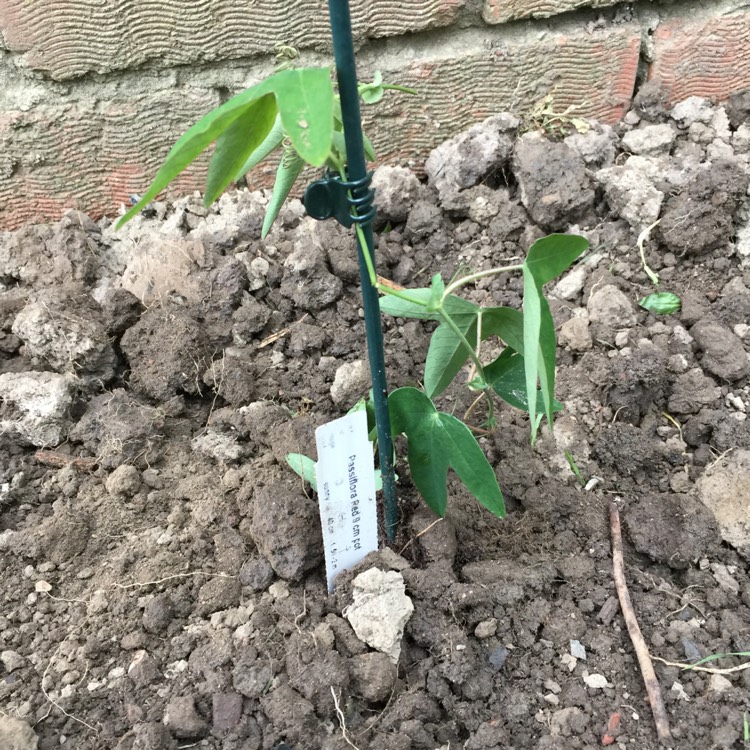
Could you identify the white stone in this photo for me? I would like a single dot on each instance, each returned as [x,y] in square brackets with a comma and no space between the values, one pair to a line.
[12,660]
[595,681]
[649,139]
[380,610]
[351,381]
[16,734]
[691,110]
[36,406]
[570,285]
[719,684]
[631,194]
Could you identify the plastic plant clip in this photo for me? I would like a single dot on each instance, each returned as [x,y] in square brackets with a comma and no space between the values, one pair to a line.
[349,199]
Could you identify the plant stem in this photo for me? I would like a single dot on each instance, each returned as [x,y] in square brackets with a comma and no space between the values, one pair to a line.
[458,283]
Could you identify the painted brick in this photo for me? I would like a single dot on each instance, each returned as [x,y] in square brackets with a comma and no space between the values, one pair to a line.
[709,58]
[69,38]
[501,11]
[93,157]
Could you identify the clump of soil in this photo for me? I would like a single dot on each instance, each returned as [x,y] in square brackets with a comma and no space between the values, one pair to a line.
[163,580]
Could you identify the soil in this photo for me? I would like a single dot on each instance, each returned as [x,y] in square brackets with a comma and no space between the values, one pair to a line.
[163,584]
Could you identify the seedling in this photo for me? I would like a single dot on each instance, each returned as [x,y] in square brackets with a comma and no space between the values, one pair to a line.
[658,303]
[298,111]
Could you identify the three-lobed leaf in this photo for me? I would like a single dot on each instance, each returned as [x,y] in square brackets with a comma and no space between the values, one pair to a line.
[437,442]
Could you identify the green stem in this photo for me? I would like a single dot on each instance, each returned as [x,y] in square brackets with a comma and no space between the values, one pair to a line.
[458,283]
[396,87]
[469,348]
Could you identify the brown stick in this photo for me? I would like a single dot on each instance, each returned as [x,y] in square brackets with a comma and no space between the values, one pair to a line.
[644,660]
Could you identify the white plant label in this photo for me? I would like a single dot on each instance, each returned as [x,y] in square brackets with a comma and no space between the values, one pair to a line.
[346,492]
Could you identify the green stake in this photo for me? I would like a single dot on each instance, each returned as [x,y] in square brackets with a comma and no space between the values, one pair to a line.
[346,72]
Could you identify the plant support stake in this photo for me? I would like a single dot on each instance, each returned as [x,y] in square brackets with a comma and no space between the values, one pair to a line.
[346,73]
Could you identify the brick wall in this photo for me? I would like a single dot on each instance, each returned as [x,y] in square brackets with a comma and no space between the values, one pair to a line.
[92,96]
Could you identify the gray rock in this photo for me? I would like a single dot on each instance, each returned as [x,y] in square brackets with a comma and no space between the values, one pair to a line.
[252,677]
[286,529]
[158,613]
[374,676]
[596,146]
[151,735]
[226,713]
[35,406]
[692,391]
[218,446]
[16,734]
[723,353]
[610,307]
[124,481]
[182,719]
[257,574]
[143,669]
[307,280]
[498,657]
[396,191]
[555,186]
[466,159]
[217,594]
[351,382]
[425,219]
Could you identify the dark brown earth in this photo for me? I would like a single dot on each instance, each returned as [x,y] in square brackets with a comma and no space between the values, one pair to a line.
[163,584]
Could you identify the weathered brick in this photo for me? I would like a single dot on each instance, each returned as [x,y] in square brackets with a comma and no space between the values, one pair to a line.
[501,11]
[708,57]
[94,157]
[593,72]
[89,156]
[69,38]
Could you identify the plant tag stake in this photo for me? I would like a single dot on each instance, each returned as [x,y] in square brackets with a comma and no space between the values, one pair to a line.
[346,492]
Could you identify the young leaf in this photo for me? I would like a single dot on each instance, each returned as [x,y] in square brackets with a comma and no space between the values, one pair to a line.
[546,258]
[305,99]
[505,323]
[661,303]
[447,355]
[507,378]
[314,143]
[272,141]
[437,442]
[551,255]
[237,143]
[456,307]
[289,169]
[304,467]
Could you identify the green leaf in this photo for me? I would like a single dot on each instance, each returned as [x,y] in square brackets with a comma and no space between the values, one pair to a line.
[369,150]
[237,143]
[304,467]
[551,255]
[437,442]
[447,354]
[456,307]
[289,169]
[305,99]
[312,106]
[546,258]
[661,303]
[372,93]
[272,141]
[505,323]
[507,378]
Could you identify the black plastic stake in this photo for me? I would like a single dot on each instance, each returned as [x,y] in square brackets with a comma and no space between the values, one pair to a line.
[346,73]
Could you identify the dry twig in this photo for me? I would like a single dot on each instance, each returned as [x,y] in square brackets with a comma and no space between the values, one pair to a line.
[644,660]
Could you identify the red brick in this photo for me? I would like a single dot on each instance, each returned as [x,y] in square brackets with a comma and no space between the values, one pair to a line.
[69,38]
[500,11]
[594,72]
[95,157]
[708,58]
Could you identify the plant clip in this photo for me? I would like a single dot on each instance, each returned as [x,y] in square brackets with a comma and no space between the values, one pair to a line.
[347,202]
